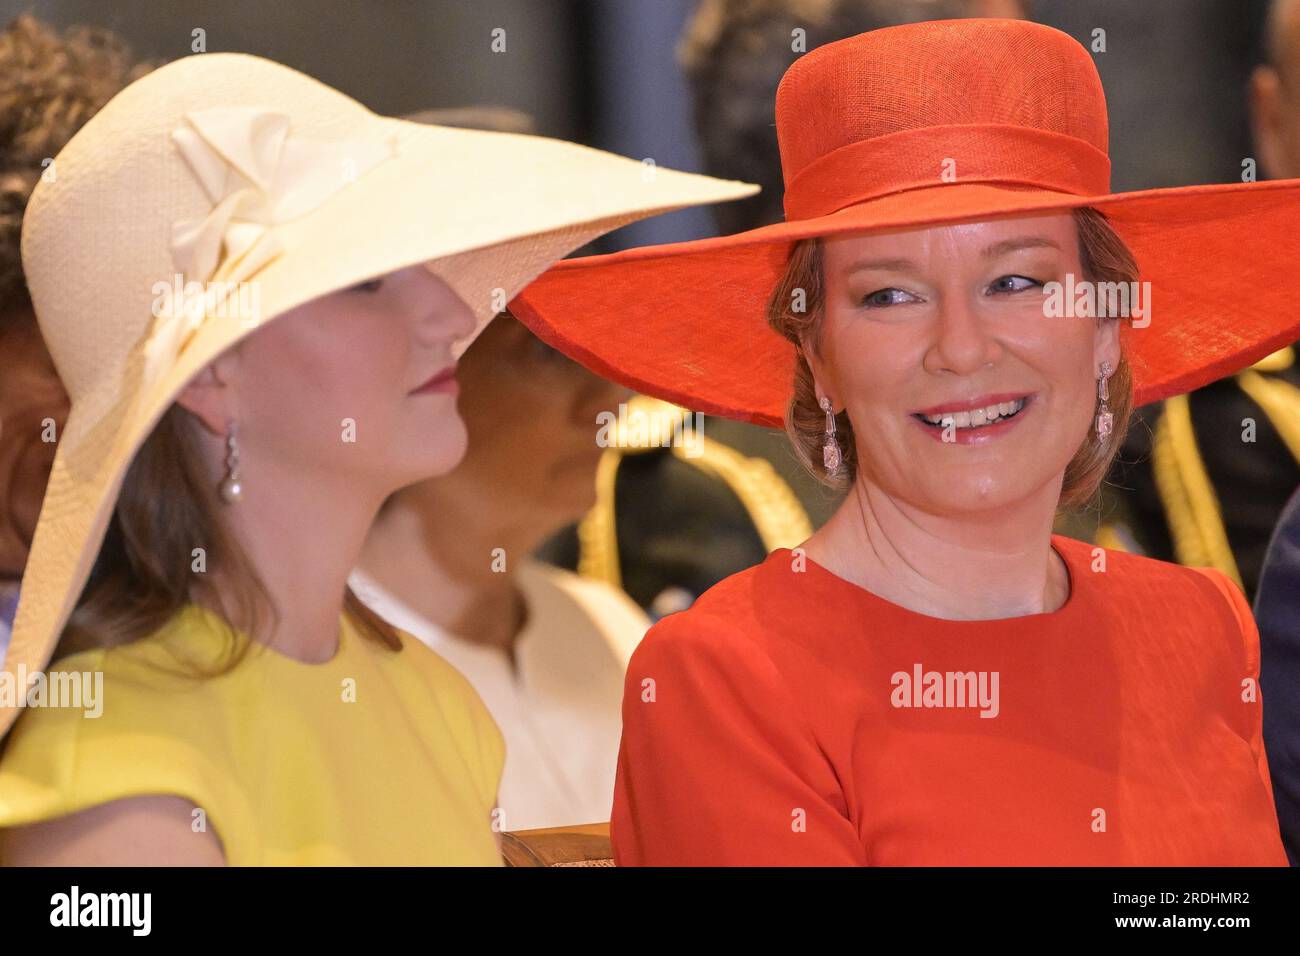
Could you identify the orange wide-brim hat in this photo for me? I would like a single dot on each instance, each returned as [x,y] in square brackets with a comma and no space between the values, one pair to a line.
[909,126]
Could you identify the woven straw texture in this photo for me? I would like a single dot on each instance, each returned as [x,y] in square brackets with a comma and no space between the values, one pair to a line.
[867,128]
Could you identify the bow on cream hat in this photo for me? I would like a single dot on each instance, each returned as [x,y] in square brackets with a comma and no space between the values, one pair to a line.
[220,171]
[256,178]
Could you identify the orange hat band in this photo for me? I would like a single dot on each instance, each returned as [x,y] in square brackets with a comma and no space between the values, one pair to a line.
[932,156]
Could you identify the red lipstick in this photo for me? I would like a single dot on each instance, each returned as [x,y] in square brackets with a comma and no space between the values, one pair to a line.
[948,433]
[444,383]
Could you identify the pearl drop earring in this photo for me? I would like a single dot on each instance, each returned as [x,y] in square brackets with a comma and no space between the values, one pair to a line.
[232,487]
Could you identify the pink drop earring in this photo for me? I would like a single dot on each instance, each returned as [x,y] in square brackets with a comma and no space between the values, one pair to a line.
[831,458]
[1105,420]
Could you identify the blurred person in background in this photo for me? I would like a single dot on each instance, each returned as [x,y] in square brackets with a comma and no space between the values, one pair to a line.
[51,82]
[1204,476]
[1275,108]
[449,560]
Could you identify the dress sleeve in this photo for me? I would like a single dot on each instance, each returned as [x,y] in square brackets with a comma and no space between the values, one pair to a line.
[717,766]
[61,760]
[1250,640]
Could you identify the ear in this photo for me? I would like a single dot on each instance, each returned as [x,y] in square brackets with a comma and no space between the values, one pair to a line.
[209,396]
[821,380]
[1105,347]
[1265,116]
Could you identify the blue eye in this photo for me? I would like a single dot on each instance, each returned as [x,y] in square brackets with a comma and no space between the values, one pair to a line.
[1013,284]
[370,285]
[884,297]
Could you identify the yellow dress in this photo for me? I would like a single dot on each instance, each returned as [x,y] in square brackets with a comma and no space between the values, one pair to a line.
[375,757]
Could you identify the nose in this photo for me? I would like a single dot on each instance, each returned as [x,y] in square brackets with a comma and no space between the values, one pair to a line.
[962,343]
[596,395]
[441,314]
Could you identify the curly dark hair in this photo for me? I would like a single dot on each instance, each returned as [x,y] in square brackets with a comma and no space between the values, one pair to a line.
[51,82]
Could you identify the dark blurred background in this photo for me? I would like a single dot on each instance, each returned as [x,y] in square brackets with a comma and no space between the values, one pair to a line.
[605,72]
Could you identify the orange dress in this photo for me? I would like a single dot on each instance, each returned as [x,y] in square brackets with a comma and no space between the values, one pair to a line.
[793,718]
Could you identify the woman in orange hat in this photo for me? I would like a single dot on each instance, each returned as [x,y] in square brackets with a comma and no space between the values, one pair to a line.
[967,315]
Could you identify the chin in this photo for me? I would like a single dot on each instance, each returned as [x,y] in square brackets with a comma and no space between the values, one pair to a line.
[445,456]
[969,494]
[433,451]
[574,505]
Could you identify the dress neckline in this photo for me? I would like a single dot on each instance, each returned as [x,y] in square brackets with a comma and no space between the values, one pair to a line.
[1065,547]
[210,620]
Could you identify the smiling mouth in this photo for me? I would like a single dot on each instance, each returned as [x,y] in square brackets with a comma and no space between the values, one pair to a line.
[978,417]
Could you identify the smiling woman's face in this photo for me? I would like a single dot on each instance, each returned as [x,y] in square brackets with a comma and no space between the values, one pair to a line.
[946,321]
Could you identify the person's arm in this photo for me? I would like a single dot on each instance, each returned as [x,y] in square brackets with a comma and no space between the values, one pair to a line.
[717,766]
[1277,610]
[134,831]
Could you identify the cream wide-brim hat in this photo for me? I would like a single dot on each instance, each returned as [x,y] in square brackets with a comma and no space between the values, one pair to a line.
[227,168]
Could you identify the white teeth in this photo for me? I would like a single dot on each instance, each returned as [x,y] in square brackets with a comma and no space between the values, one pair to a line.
[975,417]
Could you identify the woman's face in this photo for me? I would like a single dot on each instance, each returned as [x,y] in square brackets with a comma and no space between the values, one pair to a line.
[948,319]
[532,413]
[357,385]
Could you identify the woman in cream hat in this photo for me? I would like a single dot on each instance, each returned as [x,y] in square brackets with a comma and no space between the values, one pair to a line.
[255,290]
[934,677]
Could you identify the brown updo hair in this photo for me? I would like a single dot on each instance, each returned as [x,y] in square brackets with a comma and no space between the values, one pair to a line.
[1105,258]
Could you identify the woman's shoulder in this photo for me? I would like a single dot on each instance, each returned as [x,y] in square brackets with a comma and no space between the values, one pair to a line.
[1137,573]
[434,681]
[174,658]
[432,670]
[1138,589]
[440,696]
[104,724]
[739,621]
[132,688]
[727,606]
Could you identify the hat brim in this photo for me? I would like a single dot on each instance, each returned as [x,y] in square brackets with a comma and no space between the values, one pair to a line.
[685,322]
[533,200]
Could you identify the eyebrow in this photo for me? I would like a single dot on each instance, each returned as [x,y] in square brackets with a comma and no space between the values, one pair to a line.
[989,252]
[880,265]
[1015,245]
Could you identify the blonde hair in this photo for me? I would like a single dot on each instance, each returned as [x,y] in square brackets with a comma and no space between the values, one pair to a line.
[1105,258]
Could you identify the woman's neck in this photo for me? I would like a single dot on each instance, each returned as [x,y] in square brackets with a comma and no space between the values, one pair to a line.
[981,566]
[303,538]
[453,560]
